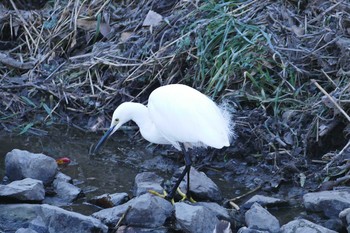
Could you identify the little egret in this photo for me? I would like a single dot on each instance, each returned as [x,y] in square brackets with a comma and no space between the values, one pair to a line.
[177,115]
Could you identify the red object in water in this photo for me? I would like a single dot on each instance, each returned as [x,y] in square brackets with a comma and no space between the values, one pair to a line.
[63,161]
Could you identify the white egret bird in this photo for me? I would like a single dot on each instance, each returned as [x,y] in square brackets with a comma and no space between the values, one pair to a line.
[177,115]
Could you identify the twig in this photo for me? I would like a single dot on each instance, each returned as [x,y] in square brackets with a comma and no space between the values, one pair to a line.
[121,219]
[331,99]
[245,194]
[6,59]
[336,157]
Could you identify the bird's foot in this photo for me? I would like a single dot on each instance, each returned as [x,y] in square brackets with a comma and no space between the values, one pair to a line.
[164,195]
[185,196]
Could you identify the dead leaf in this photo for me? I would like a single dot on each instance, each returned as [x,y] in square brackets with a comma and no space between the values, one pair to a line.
[86,24]
[105,29]
[125,36]
[152,19]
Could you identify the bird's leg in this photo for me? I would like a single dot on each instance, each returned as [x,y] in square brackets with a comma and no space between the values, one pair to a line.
[187,169]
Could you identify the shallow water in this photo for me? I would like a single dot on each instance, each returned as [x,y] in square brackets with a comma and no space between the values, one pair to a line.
[112,170]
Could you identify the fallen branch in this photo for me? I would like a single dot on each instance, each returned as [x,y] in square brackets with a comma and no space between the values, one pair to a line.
[7,60]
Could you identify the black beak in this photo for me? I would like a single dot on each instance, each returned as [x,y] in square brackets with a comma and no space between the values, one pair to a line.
[103,139]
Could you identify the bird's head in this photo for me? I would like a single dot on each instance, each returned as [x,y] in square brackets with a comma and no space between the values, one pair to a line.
[120,116]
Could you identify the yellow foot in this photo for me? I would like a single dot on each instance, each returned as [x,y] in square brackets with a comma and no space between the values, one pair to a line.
[164,195]
[184,196]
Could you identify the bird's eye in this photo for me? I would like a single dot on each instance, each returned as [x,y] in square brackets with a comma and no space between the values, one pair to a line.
[117,120]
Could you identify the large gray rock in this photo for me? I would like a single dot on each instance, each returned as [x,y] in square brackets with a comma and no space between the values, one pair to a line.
[259,218]
[248,230]
[45,218]
[20,164]
[109,200]
[146,210]
[130,229]
[190,218]
[146,181]
[201,186]
[25,230]
[263,201]
[331,203]
[302,225]
[345,218]
[23,190]
[219,211]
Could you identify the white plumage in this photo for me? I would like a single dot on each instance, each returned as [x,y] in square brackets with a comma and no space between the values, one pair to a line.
[177,115]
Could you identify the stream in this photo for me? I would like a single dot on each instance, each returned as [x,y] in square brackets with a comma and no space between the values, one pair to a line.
[113,170]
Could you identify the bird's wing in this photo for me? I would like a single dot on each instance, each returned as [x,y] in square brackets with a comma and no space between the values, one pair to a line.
[185,115]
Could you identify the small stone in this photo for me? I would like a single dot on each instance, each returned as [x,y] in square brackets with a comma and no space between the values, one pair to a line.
[302,225]
[331,203]
[66,191]
[23,190]
[110,200]
[263,201]
[259,218]
[20,164]
[146,181]
[190,218]
[223,227]
[63,177]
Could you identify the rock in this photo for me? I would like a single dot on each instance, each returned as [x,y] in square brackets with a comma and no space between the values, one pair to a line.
[147,181]
[191,218]
[248,230]
[109,200]
[334,224]
[25,230]
[20,164]
[218,210]
[23,190]
[223,227]
[66,191]
[302,225]
[146,210]
[46,218]
[202,187]
[263,201]
[259,218]
[128,229]
[331,203]
[345,218]
[63,177]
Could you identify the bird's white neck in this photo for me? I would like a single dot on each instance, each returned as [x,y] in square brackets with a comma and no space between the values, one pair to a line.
[140,115]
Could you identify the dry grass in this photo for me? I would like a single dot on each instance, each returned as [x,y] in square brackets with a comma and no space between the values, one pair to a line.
[74,61]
